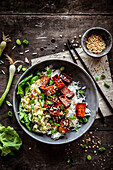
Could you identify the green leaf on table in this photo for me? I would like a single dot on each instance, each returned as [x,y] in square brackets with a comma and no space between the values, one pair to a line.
[9,140]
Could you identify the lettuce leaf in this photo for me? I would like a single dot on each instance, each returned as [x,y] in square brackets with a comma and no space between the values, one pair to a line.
[9,140]
[22,84]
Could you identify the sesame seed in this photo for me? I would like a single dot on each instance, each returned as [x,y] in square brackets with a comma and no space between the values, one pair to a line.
[60,36]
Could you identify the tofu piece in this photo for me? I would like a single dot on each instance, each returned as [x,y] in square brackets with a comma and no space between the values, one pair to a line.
[50,90]
[44,81]
[57,80]
[68,93]
[80,109]
[64,126]
[53,106]
[65,100]
[67,79]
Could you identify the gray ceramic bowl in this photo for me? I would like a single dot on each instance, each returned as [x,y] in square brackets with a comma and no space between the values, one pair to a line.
[78,74]
[106,36]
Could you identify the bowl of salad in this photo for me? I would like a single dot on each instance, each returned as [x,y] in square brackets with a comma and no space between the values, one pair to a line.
[55,101]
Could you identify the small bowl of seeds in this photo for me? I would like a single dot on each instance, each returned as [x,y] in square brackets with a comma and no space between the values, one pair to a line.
[96,42]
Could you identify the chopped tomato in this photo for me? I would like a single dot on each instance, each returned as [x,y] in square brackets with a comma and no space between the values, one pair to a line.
[50,90]
[65,100]
[64,126]
[68,93]
[80,109]
[67,79]
[57,80]
[44,81]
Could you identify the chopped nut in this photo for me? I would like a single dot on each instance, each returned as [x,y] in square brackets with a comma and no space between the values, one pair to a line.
[85,150]
[93,137]
[64,44]
[29,148]
[63,50]
[94,151]
[77,42]
[90,133]
[80,46]
[99,142]
[60,36]
[82,140]
[89,146]
[80,36]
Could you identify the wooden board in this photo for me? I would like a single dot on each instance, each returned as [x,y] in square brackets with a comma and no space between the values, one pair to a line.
[35,28]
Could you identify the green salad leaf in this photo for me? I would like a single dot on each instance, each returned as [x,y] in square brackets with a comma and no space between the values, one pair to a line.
[22,84]
[35,78]
[9,140]
[27,87]
[23,117]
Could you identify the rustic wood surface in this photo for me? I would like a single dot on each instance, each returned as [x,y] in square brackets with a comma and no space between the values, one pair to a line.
[38,29]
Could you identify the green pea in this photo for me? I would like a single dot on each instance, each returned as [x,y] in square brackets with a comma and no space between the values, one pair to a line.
[18,42]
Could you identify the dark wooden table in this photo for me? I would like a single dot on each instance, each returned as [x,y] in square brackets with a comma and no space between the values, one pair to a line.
[38,22]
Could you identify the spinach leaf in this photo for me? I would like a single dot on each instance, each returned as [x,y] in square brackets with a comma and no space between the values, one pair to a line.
[35,78]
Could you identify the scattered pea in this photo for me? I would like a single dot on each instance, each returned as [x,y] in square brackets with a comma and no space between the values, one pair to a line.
[18,42]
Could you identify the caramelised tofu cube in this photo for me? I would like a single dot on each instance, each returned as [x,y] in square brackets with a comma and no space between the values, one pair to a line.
[64,126]
[53,106]
[55,109]
[57,80]
[65,100]
[44,81]
[68,93]
[50,90]
[67,79]
[80,109]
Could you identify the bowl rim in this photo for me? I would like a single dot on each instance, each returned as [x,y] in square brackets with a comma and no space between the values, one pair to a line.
[92,54]
[30,133]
